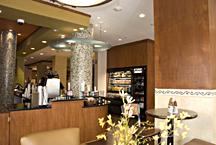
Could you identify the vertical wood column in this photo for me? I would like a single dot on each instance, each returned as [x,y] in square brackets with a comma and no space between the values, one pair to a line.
[59,64]
[7,69]
[185,57]
[184,46]
[81,62]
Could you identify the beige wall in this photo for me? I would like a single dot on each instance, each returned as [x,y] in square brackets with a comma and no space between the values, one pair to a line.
[101,72]
[19,78]
[200,101]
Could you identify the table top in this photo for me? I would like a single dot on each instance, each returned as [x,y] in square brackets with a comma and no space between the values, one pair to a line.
[162,113]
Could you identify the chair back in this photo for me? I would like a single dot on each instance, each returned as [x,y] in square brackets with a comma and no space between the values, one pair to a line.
[67,136]
[136,111]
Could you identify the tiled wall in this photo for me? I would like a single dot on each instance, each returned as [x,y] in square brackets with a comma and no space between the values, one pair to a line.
[200,101]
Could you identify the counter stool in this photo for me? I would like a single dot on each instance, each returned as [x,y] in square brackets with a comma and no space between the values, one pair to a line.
[196,141]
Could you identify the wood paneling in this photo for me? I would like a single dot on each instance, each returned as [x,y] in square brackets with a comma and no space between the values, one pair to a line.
[4,129]
[150,78]
[62,115]
[212,32]
[182,45]
[128,55]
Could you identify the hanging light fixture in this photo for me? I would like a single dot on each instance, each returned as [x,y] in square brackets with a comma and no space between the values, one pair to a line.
[82,3]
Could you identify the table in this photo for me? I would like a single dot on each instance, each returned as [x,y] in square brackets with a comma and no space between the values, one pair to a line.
[162,113]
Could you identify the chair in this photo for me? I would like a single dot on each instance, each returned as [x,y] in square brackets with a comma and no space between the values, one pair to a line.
[67,136]
[196,141]
[146,133]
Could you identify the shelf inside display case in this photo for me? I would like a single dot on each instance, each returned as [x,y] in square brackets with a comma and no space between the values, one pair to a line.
[120,78]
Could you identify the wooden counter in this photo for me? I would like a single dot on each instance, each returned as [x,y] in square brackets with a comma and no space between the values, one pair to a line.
[4,129]
[61,115]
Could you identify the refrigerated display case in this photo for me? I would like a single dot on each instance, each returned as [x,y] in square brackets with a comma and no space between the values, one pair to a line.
[133,81]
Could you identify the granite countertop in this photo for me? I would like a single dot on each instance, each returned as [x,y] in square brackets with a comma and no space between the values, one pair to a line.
[49,106]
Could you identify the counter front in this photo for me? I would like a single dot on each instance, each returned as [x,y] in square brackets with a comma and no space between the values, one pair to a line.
[61,114]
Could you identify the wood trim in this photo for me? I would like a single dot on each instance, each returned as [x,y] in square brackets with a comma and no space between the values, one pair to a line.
[63,114]
[4,129]
[67,9]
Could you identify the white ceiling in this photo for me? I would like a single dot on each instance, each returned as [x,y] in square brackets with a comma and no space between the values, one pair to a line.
[124,24]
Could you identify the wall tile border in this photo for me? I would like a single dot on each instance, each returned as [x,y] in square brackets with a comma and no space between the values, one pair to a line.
[186,92]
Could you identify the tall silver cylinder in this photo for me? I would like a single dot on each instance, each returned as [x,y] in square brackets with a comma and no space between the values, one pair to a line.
[7,69]
[81,62]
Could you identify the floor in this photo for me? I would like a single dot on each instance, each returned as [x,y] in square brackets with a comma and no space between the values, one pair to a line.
[110,140]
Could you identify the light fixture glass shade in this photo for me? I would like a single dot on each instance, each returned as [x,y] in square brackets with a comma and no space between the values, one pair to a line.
[65,44]
[82,3]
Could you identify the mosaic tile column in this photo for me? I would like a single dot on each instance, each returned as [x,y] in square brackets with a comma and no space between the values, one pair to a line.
[7,69]
[81,62]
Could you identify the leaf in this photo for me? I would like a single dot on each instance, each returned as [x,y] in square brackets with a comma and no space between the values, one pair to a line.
[184,134]
[186,127]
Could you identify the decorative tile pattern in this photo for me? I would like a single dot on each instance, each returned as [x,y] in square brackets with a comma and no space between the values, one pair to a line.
[81,62]
[7,69]
[186,92]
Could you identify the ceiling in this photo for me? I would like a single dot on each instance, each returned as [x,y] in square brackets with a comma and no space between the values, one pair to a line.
[25,30]
[124,24]
[44,18]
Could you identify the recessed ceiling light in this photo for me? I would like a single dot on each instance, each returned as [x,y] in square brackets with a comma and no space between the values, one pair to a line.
[44,41]
[81,28]
[53,49]
[118,8]
[120,39]
[75,29]
[101,22]
[32,57]
[19,34]
[24,52]
[41,53]
[55,30]
[32,48]
[105,31]
[141,15]
[10,30]
[0,11]
[96,25]
[98,17]
[62,36]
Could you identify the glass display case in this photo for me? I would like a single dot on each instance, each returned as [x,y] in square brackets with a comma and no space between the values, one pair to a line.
[133,81]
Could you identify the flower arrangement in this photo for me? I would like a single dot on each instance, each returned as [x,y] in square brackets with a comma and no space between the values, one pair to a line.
[125,135]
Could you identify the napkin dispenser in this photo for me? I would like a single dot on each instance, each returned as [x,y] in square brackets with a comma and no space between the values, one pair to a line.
[172,106]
